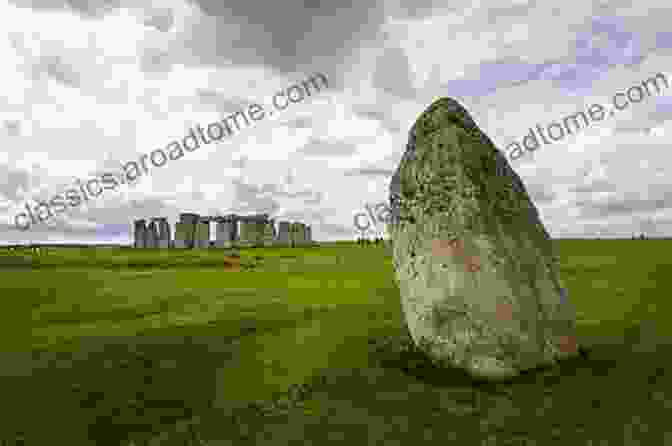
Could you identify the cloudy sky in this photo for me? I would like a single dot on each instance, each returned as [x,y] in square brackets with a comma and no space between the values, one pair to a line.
[88,85]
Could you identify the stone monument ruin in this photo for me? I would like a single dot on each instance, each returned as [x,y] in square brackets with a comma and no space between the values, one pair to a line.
[192,231]
[479,282]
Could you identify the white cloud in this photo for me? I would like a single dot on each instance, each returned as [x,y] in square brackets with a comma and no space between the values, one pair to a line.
[90,91]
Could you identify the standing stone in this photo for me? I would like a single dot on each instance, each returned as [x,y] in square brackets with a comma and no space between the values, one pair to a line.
[163,232]
[183,235]
[258,233]
[247,233]
[202,235]
[479,282]
[152,235]
[306,236]
[146,238]
[224,234]
[309,235]
[297,234]
[188,222]
[139,229]
[302,233]
[284,237]
[268,234]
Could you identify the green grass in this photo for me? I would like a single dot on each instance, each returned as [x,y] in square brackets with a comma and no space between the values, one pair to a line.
[308,346]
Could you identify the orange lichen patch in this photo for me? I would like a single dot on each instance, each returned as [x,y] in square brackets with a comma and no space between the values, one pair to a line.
[447,248]
[567,344]
[473,264]
[504,312]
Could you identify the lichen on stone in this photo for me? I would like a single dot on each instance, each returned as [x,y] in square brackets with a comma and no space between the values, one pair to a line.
[453,183]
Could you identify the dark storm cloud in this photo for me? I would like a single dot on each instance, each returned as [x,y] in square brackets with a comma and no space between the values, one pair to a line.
[284,34]
[290,36]
[312,4]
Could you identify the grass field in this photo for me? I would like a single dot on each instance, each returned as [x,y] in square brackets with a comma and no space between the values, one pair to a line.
[308,347]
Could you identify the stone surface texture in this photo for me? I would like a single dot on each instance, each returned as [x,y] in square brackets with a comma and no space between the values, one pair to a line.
[479,281]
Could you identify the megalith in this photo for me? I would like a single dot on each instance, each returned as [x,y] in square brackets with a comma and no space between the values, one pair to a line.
[268,233]
[283,237]
[163,231]
[152,235]
[139,229]
[479,281]
[183,235]
[248,236]
[202,235]
[224,233]
[298,234]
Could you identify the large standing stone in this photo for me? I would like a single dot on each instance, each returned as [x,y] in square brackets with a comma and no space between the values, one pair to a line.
[478,279]
[139,229]
[268,234]
[247,233]
[152,236]
[188,222]
[202,235]
[298,234]
[283,237]
[224,234]
[259,233]
[309,235]
[163,228]
[184,235]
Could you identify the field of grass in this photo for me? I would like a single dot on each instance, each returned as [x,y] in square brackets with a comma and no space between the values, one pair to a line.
[307,346]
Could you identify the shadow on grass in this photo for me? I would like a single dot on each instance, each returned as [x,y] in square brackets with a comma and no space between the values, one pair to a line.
[630,355]
[101,390]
